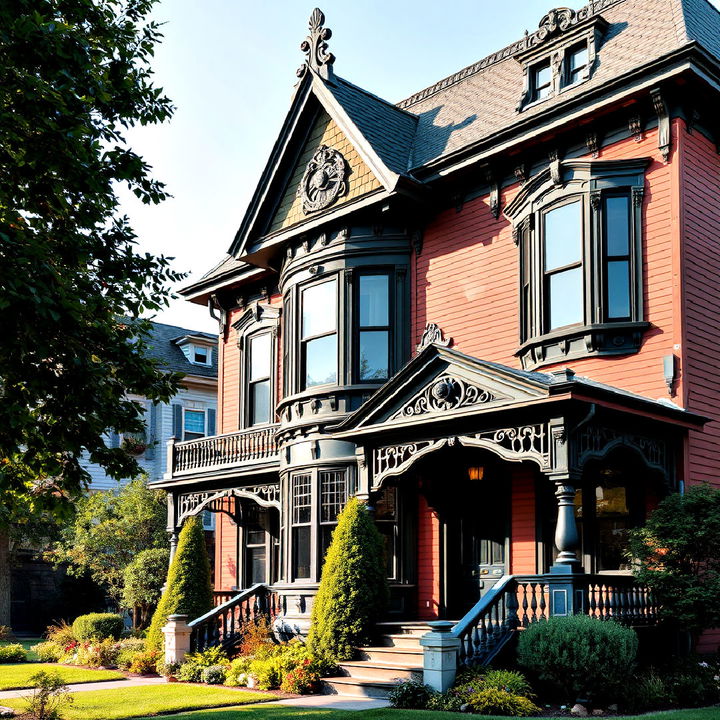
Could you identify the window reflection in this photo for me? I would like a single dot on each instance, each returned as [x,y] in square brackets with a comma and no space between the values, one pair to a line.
[374,327]
[260,362]
[319,334]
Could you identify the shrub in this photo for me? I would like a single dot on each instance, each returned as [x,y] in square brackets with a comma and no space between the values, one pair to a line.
[143,580]
[127,650]
[190,672]
[256,634]
[579,656]
[492,701]
[238,672]
[208,658]
[167,669]
[60,633]
[103,653]
[271,666]
[49,695]
[98,626]
[447,701]
[353,588]
[12,653]
[214,675]
[302,679]
[145,663]
[48,651]
[410,695]
[188,590]
[508,680]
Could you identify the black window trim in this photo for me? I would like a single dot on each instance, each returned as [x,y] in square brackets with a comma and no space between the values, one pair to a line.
[389,273]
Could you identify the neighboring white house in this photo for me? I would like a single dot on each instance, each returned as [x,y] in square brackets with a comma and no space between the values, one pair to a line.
[189,415]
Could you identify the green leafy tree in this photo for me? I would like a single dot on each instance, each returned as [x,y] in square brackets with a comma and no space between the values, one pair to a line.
[143,580]
[353,590]
[110,529]
[677,553]
[74,74]
[188,591]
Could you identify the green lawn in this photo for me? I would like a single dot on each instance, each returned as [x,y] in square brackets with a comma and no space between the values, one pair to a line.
[16,675]
[283,712]
[27,643]
[148,700]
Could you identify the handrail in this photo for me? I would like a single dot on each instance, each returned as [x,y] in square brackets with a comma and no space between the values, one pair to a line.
[224,624]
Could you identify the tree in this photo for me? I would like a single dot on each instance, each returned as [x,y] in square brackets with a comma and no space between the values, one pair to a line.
[110,529]
[143,580]
[74,74]
[678,555]
[188,590]
[353,588]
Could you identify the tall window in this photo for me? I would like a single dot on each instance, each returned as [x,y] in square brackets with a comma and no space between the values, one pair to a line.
[259,386]
[541,79]
[373,327]
[563,259]
[301,498]
[193,424]
[319,334]
[255,544]
[617,257]
[333,496]
[576,62]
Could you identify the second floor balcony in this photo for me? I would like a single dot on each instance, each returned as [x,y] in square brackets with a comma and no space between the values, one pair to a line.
[237,452]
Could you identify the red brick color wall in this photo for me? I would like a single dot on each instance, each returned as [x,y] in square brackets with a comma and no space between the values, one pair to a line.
[428,561]
[523,557]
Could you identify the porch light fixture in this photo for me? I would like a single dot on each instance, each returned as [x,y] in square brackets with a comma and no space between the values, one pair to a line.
[476,473]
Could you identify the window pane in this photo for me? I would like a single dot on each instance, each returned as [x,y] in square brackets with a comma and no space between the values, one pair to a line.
[374,354]
[541,82]
[374,298]
[321,361]
[333,494]
[260,402]
[566,298]
[195,422]
[256,565]
[617,225]
[260,357]
[563,236]
[618,289]
[301,499]
[301,551]
[578,58]
[319,304]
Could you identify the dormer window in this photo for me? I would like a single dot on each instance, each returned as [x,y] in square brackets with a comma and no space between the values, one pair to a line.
[541,81]
[576,64]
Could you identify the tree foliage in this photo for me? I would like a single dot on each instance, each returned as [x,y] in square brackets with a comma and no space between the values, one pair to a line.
[74,75]
[677,554]
[353,588]
[188,590]
[109,531]
[143,580]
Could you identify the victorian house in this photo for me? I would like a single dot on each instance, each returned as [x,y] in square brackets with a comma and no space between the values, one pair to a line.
[491,310]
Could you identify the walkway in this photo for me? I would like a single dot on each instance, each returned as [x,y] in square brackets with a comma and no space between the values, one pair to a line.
[101,685]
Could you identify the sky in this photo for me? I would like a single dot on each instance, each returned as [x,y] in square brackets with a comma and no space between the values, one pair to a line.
[229,68]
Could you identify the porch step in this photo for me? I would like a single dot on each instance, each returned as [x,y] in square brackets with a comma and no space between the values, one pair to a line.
[417,628]
[386,672]
[402,640]
[409,656]
[357,687]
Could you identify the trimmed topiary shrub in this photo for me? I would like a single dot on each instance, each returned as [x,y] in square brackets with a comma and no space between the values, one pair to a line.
[98,626]
[12,653]
[353,588]
[188,590]
[579,656]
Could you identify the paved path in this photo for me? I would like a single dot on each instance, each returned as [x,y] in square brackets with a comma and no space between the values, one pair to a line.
[335,702]
[101,685]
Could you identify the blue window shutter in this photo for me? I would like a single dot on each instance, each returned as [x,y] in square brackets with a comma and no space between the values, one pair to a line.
[211,421]
[177,421]
[151,425]
[114,440]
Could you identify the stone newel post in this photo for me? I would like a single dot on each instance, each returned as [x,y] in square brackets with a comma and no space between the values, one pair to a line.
[177,638]
[440,656]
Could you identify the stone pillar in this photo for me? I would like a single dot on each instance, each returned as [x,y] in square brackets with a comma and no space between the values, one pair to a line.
[566,534]
[177,638]
[440,656]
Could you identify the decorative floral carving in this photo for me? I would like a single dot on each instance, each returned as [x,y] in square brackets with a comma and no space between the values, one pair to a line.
[324,180]
[529,442]
[315,47]
[432,335]
[394,459]
[557,20]
[446,393]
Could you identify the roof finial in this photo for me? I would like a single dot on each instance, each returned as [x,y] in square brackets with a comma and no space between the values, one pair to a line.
[315,48]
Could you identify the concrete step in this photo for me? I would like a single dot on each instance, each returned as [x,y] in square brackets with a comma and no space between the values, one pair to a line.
[357,687]
[386,672]
[403,628]
[411,656]
[400,640]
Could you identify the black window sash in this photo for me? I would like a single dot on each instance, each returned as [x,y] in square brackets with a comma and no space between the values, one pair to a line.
[360,329]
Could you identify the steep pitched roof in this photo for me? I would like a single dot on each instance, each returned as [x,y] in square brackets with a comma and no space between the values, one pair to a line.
[161,346]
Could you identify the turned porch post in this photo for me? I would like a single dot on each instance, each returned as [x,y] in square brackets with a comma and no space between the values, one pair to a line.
[566,533]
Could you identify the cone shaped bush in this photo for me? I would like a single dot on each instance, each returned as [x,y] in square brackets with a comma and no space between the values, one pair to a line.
[188,589]
[353,588]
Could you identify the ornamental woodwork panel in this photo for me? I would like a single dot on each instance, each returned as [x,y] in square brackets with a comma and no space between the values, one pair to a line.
[193,503]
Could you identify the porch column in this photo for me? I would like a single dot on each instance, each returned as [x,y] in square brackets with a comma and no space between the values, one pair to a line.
[173,544]
[566,534]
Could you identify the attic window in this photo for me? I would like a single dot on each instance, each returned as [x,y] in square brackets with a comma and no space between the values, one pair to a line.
[541,81]
[576,63]
[200,355]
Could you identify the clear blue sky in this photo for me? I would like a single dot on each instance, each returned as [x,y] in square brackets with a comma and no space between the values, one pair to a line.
[229,67]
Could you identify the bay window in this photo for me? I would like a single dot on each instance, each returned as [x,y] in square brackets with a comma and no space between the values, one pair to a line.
[373,346]
[301,499]
[318,337]
[580,240]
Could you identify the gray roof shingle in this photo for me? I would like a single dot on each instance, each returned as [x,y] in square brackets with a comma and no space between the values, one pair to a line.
[161,347]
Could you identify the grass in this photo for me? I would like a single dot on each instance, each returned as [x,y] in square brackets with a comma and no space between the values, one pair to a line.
[17,675]
[284,712]
[27,643]
[148,700]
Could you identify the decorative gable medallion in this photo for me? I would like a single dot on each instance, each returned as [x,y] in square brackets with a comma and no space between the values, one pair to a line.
[446,393]
[324,180]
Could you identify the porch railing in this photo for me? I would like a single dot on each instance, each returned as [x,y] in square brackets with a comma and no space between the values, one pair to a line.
[222,596]
[516,601]
[222,450]
[224,624]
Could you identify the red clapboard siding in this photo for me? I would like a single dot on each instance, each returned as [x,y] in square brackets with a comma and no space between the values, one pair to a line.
[428,561]
[523,558]
[225,552]
[466,280]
